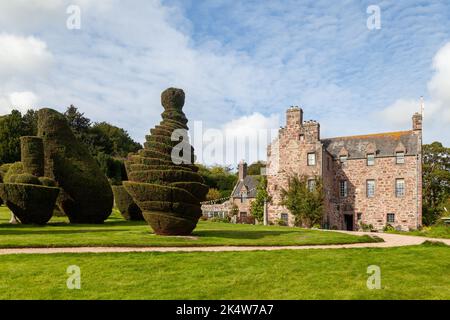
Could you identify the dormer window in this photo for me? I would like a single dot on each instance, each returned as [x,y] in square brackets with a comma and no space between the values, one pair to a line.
[343,159]
[400,157]
[370,159]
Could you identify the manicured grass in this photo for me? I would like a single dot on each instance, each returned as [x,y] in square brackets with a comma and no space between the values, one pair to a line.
[419,272]
[437,231]
[118,232]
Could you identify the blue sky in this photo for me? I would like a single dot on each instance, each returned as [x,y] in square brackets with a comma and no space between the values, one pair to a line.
[241,63]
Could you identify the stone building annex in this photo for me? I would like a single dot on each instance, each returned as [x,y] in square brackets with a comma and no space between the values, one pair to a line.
[371,179]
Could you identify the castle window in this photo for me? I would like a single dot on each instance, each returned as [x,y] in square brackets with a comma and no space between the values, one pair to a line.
[311,185]
[343,188]
[285,217]
[311,159]
[343,160]
[370,159]
[400,157]
[400,187]
[359,216]
[390,218]
[328,163]
[370,188]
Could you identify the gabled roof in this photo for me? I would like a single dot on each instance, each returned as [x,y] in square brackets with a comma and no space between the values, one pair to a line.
[385,144]
[250,182]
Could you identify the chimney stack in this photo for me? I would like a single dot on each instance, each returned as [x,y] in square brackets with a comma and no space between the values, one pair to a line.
[242,170]
[417,122]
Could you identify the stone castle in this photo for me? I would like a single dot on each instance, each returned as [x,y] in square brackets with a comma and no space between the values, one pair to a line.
[371,179]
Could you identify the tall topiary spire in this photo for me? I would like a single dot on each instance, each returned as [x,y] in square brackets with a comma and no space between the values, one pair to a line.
[167,191]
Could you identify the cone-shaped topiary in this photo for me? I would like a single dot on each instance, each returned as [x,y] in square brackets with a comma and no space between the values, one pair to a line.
[126,205]
[168,193]
[32,204]
[86,196]
[32,155]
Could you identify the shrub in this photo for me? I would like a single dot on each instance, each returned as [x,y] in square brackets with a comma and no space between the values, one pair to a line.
[388,228]
[168,194]
[31,204]
[126,205]
[14,170]
[32,155]
[86,195]
[26,178]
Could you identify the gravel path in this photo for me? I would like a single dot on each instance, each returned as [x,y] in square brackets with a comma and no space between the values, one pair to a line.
[390,240]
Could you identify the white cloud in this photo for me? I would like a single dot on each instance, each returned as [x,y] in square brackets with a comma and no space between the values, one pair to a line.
[22,56]
[437,107]
[23,101]
[245,138]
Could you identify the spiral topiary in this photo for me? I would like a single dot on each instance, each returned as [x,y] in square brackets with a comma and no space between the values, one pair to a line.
[126,205]
[168,192]
[86,196]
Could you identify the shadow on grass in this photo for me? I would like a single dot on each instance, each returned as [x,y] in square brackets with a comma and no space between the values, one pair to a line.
[54,232]
[238,234]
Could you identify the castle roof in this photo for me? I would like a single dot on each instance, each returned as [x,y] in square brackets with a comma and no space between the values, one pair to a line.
[385,144]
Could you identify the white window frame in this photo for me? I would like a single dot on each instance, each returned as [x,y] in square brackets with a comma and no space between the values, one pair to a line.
[400,191]
[343,188]
[371,159]
[311,161]
[400,157]
[368,188]
[311,185]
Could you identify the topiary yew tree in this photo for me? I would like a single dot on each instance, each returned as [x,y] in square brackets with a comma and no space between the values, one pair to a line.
[126,205]
[162,178]
[86,196]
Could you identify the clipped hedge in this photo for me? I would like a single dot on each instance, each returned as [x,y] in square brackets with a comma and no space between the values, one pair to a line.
[169,194]
[31,204]
[126,205]
[26,178]
[32,155]
[86,195]
[13,170]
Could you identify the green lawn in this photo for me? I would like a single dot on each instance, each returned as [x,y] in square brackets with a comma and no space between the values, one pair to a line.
[420,272]
[118,232]
[437,231]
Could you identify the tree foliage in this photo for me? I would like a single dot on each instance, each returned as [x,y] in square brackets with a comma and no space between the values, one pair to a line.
[219,177]
[305,204]
[257,206]
[213,194]
[436,181]
[255,168]
[108,144]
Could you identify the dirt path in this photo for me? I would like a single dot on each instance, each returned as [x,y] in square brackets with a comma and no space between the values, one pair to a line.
[390,240]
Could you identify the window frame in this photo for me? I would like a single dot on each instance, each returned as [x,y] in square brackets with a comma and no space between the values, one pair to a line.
[397,157]
[284,215]
[390,215]
[343,188]
[343,162]
[308,159]
[372,157]
[311,185]
[397,194]
[368,194]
